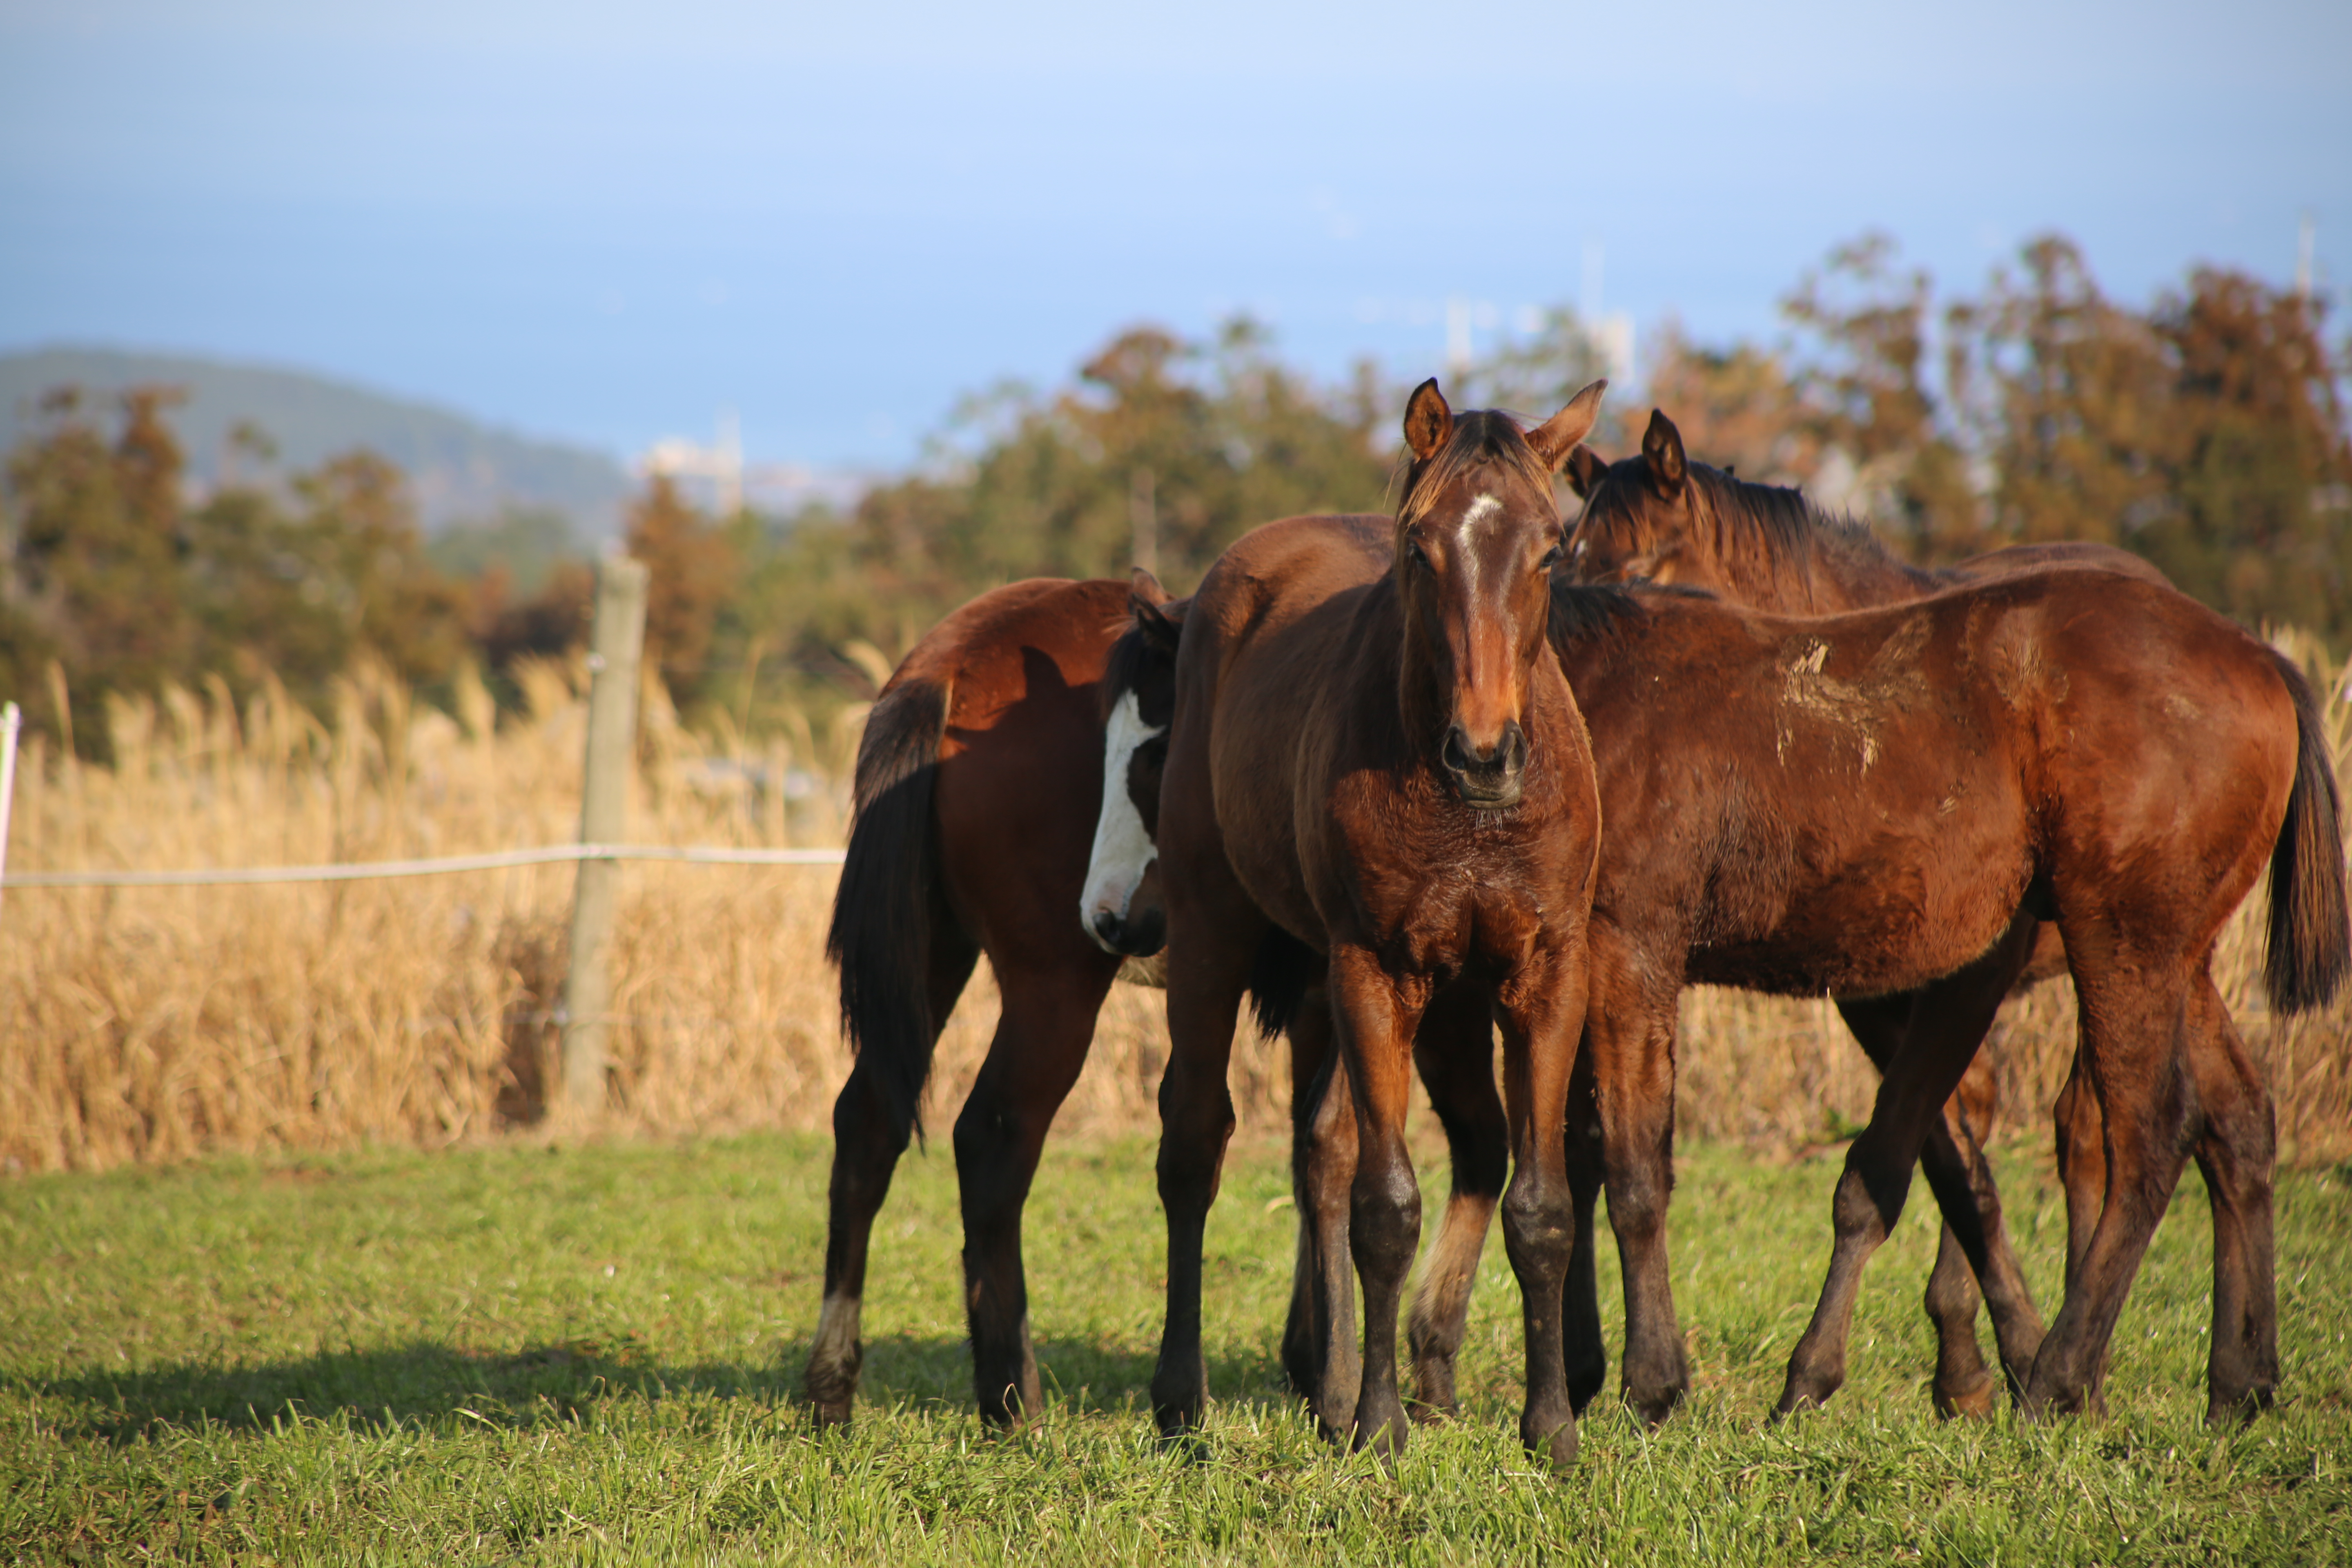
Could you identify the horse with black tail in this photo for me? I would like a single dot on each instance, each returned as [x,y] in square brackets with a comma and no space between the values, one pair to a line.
[978,782]
[1659,517]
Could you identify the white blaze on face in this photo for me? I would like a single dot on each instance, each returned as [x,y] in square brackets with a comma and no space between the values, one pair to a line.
[1477,512]
[1123,850]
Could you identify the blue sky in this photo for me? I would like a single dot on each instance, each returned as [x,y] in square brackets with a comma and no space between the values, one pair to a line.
[605,222]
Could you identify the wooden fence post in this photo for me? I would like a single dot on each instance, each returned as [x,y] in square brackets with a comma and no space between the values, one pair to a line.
[616,645]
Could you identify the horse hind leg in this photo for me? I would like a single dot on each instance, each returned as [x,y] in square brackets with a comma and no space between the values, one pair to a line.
[2237,1151]
[1455,1053]
[1041,1035]
[866,1150]
[2132,1025]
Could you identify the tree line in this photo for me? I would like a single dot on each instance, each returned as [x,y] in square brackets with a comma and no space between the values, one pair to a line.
[2205,431]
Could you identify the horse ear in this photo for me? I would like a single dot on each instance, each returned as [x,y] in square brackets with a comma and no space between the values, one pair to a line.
[1160,628]
[1556,436]
[1143,588]
[1584,470]
[1427,421]
[1662,449]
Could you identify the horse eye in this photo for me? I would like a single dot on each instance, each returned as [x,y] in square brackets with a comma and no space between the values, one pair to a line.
[1551,559]
[1417,555]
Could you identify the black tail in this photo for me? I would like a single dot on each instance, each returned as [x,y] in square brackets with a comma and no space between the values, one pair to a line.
[2310,937]
[882,914]
[1279,976]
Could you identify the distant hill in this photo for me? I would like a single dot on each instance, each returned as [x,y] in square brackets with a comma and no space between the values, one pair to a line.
[461,469]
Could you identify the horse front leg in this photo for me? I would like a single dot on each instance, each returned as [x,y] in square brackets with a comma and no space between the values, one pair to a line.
[1375,1016]
[1454,1055]
[1946,1024]
[1542,1020]
[1974,1259]
[1629,1035]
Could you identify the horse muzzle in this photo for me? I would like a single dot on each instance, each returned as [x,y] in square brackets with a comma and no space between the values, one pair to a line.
[1140,936]
[1489,778]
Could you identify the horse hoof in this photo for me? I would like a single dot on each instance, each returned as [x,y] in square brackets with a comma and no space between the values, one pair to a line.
[1557,1449]
[1974,1403]
[1384,1435]
[829,1397]
[1585,1388]
[1653,1408]
[2242,1408]
[1794,1402]
[1177,1401]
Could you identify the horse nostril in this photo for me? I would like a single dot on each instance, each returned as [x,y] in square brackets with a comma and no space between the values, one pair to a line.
[1107,927]
[1503,756]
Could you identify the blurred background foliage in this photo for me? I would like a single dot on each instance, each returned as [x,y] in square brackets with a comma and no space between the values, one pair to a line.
[2206,431]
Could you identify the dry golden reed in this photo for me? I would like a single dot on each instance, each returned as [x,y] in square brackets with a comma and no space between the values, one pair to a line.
[152,1024]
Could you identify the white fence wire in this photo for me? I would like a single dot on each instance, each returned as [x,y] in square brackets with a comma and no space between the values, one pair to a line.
[438,866]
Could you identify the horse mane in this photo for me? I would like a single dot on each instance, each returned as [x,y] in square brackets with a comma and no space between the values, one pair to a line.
[1782,523]
[1584,611]
[1133,656]
[1123,669]
[1480,435]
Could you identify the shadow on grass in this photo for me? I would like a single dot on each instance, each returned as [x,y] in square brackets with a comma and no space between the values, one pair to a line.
[423,1382]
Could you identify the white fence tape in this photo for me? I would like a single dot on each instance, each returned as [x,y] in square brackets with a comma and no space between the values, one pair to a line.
[497,860]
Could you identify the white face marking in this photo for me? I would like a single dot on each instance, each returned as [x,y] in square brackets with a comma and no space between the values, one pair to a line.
[1123,850]
[1477,512]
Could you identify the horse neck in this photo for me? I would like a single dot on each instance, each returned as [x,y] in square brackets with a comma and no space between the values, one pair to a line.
[1421,709]
[1822,575]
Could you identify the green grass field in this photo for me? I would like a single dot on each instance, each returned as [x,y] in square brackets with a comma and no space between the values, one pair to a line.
[522,1351]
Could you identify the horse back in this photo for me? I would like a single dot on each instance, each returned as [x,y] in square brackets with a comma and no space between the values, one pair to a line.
[2014,559]
[1019,781]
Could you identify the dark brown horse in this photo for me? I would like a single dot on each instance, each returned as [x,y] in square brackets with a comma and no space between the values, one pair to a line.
[978,782]
[1374,754]
[1886,803]
[1661,517]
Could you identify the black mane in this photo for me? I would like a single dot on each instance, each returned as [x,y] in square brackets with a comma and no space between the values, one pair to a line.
[1783,521]
[1583,610]
[1123,669]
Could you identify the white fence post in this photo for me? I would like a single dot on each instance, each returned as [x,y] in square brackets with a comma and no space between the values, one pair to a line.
[618,643]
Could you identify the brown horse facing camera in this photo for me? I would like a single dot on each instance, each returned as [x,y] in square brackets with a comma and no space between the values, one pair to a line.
[1660,517]
[979,780]
[1374,754]
[1887,802]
